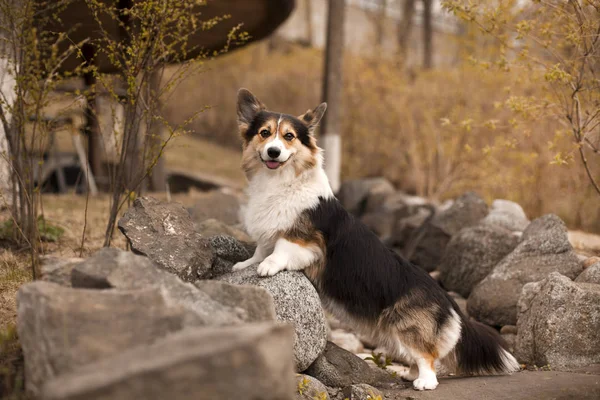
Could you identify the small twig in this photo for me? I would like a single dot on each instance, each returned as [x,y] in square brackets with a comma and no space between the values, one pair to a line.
[587,170]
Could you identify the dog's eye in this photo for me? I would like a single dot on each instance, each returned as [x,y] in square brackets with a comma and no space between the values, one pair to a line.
[265,133]
[289,137]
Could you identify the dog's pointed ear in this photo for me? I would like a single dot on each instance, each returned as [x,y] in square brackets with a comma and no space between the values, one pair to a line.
[312,117]
[247,108]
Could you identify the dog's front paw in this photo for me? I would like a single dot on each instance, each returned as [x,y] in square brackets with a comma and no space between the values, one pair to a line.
[270,267]
[428,383]
[241,265]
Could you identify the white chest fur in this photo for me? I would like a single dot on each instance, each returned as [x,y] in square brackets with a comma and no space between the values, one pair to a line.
[277,198]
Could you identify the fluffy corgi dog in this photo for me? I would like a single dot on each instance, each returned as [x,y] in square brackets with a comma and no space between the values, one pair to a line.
[299,225]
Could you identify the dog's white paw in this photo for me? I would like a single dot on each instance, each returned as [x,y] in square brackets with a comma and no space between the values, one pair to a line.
[241,265]
[270,267]
[426,383]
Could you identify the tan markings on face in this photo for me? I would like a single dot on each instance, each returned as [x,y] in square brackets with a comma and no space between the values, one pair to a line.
[271,126]
[287,134]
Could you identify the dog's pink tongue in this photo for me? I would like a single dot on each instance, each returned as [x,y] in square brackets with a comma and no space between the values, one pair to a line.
[272,164]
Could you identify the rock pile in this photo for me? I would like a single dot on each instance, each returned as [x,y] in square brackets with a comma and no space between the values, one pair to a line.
[122,318]
[172,320]
[124,325]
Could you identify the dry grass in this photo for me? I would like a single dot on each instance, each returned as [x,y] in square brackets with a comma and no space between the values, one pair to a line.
[14,271]
[202,155]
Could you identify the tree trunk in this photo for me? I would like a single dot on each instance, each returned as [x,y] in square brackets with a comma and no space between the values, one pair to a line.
[92,127]
[427,35]
[405,27]
[308,22]
[332,92]
[7,88]
[380,23]
[155,136]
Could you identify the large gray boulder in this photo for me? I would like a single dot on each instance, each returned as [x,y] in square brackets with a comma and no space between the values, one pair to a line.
[559,323]
[211,301]
[297,302]
[465,211]
[384,210]
[381,223]
[472,254]
[383,200]
[58,270]
[507,214]
[216,204]
[406,226]
[228,251]
[337,367]
[256,304]
[62,329]
[248,362]
[354,194]
[544,248]
[166,234]
[590,275]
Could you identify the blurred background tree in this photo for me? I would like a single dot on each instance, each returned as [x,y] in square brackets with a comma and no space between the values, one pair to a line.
[30,64]
[439,97]
[481,107]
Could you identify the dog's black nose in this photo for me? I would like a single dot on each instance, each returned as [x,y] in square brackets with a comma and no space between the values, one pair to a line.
[273,152]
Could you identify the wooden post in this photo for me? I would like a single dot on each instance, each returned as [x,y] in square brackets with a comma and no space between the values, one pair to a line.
[332,92]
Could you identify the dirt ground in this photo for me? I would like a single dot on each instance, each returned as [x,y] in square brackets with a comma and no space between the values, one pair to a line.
[525,385]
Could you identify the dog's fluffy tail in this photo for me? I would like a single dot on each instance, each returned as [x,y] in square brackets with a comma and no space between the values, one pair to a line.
[481,351]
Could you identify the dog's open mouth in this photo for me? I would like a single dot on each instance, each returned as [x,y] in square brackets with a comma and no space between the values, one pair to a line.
[273,164]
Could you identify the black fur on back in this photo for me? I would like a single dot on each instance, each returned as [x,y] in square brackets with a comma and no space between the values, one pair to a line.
[366,277]
[362,274]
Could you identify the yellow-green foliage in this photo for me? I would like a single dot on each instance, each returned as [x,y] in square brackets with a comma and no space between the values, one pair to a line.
[303,385]
[379,360]
[486,124]
[47,231]
[321,396]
